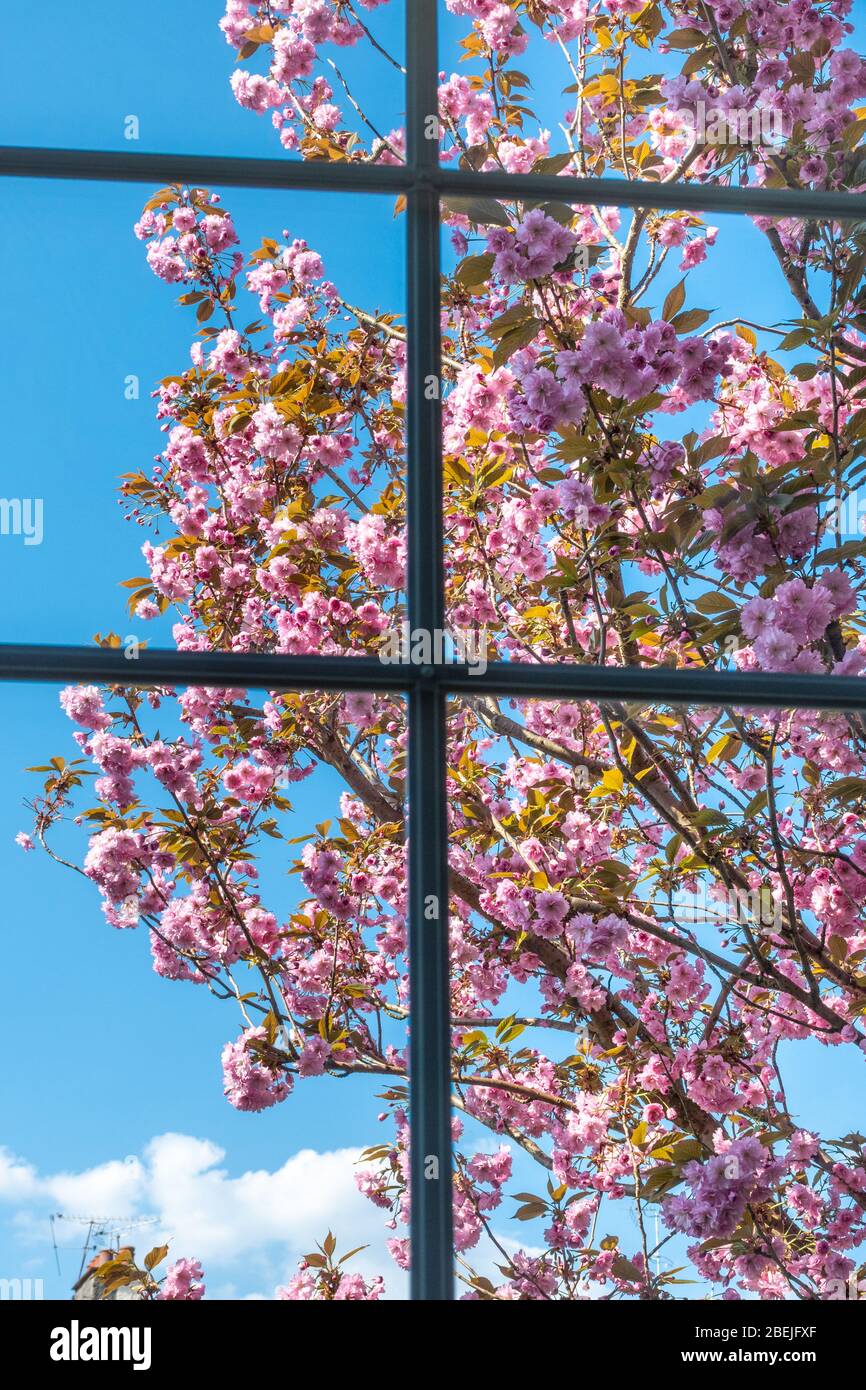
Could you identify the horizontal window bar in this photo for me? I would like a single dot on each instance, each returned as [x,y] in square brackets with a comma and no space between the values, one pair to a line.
[261,670]
[659,685]
[641,193]
[119,166]
[551,681]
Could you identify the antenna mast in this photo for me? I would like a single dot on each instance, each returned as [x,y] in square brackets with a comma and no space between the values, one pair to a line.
[102,1232]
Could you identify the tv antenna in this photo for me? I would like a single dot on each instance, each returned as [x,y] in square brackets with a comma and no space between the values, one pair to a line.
[103,1232]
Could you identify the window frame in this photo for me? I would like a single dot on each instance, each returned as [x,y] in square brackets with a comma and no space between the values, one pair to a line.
[424,183]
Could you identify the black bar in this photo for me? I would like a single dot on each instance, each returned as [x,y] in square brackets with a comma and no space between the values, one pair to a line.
[237,171]
[191,1343]
[266,671]
[432,1234]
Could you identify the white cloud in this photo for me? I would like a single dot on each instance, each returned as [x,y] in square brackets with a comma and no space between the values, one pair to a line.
[248,1230]
[112,1187]
[18,1181]
[223,1216]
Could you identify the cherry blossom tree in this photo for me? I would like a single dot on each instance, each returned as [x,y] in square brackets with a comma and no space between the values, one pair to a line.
[650,906]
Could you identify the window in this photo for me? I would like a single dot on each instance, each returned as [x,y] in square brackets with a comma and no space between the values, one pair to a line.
[427,686]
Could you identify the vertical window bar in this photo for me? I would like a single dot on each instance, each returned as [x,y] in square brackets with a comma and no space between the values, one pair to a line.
[431,1228]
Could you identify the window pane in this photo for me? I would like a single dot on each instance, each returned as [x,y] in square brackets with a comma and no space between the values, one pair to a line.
[654,454]
[238,414]
[242,79]
[659,91]
[205,942]
[657,945]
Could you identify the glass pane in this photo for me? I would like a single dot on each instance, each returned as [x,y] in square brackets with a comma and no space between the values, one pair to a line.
[205,950]
[654,437]
[320,81]
[658,939]
[233,408]
[657,91]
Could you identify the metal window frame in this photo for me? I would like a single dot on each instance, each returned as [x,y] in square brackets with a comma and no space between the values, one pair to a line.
[424,182]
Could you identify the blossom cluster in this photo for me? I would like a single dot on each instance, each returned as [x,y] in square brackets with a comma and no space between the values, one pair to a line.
[634,1051]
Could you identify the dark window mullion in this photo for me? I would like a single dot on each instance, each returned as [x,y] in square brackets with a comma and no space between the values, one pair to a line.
[234,171]
[508,679]
[430,1024]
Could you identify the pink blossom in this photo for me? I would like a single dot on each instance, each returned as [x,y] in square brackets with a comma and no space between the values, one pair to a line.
[289,317]
[250,1084]
[83,704]
[184,1280]
[314,1055]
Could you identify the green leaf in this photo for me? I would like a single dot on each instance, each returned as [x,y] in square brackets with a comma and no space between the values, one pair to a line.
[612,781]
[674,301]
[718,748]
[349,1253]
[846,789]
[691,319]
[481,211]
[712,602]
[517,314]
[474,271]
[838,948]
[531,1211]
[516,338]
[624,1269]
[684,38]
[756,806]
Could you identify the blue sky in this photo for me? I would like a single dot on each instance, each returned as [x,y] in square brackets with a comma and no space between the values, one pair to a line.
[101,1057]
[117,1055]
